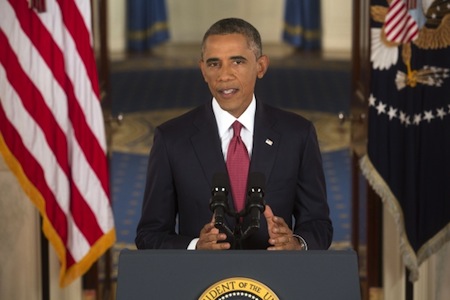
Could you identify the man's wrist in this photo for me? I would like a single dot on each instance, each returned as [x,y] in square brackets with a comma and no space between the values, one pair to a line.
[302,242]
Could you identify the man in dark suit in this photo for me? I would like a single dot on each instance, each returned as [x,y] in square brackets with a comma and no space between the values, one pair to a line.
[188,151]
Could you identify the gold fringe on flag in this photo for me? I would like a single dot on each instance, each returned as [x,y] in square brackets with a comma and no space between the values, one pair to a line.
[410,259]
[382,189]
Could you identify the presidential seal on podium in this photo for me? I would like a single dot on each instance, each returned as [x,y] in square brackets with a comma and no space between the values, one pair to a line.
[238,288]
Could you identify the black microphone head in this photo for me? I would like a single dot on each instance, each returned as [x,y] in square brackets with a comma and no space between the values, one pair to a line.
[219,201]
[220,183]
[256,180]
[255,196]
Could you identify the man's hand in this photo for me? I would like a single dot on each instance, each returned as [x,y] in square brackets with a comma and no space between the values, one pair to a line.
[210,238]
[281,236]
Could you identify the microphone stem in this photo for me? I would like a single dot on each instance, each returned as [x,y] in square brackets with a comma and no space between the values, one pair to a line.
[237,236]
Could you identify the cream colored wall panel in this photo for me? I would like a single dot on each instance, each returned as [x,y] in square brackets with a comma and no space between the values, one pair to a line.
[72,291]
[116,26]
[434,274]
[20,255]
[337,25]
[393,268]
[188,20]
[20,246]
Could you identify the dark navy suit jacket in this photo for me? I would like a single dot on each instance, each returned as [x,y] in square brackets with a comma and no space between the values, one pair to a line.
[186,154]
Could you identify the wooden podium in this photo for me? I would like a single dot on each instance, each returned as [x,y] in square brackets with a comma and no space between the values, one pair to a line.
[237,274]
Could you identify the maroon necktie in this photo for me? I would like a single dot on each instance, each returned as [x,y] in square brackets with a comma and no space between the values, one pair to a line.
[238,163]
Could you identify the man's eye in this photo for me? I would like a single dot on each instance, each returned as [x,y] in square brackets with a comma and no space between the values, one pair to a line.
[212,64]
[239,61]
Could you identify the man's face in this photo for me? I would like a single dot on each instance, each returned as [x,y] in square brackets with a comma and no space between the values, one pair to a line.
[230,68]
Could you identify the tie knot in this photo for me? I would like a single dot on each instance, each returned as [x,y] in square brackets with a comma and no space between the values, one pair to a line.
[237,128]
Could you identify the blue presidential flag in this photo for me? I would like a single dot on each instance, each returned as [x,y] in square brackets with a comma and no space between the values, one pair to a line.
[302,28]
[408,160]
[147,24]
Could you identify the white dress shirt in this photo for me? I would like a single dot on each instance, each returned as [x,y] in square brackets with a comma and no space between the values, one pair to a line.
[225,120]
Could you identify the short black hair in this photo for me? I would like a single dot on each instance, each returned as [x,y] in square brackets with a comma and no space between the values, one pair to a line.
[236,25]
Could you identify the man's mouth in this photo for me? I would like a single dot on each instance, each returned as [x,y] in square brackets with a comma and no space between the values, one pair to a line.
[227,92]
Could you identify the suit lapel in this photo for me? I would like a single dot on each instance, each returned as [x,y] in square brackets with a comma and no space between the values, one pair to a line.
[266,142]
[207,145]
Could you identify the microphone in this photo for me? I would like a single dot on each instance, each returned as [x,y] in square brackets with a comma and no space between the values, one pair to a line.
[219,199]
[255,205]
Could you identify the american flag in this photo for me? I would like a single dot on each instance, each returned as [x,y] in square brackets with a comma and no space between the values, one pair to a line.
[51,126]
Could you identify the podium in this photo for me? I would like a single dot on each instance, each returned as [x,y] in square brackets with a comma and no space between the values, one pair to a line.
[237,274]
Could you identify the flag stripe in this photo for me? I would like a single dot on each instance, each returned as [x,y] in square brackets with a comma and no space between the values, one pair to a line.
[18,148]
[411,30]
[395,10]
[32,98]
[399,26]
[51,182]
[52,127]
[53,134]
[74,23]
[81,111]
[76,96]
[85,184]
[392,26]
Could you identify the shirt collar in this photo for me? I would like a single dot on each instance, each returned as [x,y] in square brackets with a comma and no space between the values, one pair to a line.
[224,119]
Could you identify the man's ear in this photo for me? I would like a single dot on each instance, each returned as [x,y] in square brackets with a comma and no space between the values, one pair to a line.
[262,65]
[201,66]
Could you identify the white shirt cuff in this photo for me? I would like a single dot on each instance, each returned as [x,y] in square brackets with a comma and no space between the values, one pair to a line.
[193,244]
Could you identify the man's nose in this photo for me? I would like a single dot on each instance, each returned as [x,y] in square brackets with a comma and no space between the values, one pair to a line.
[226,72]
